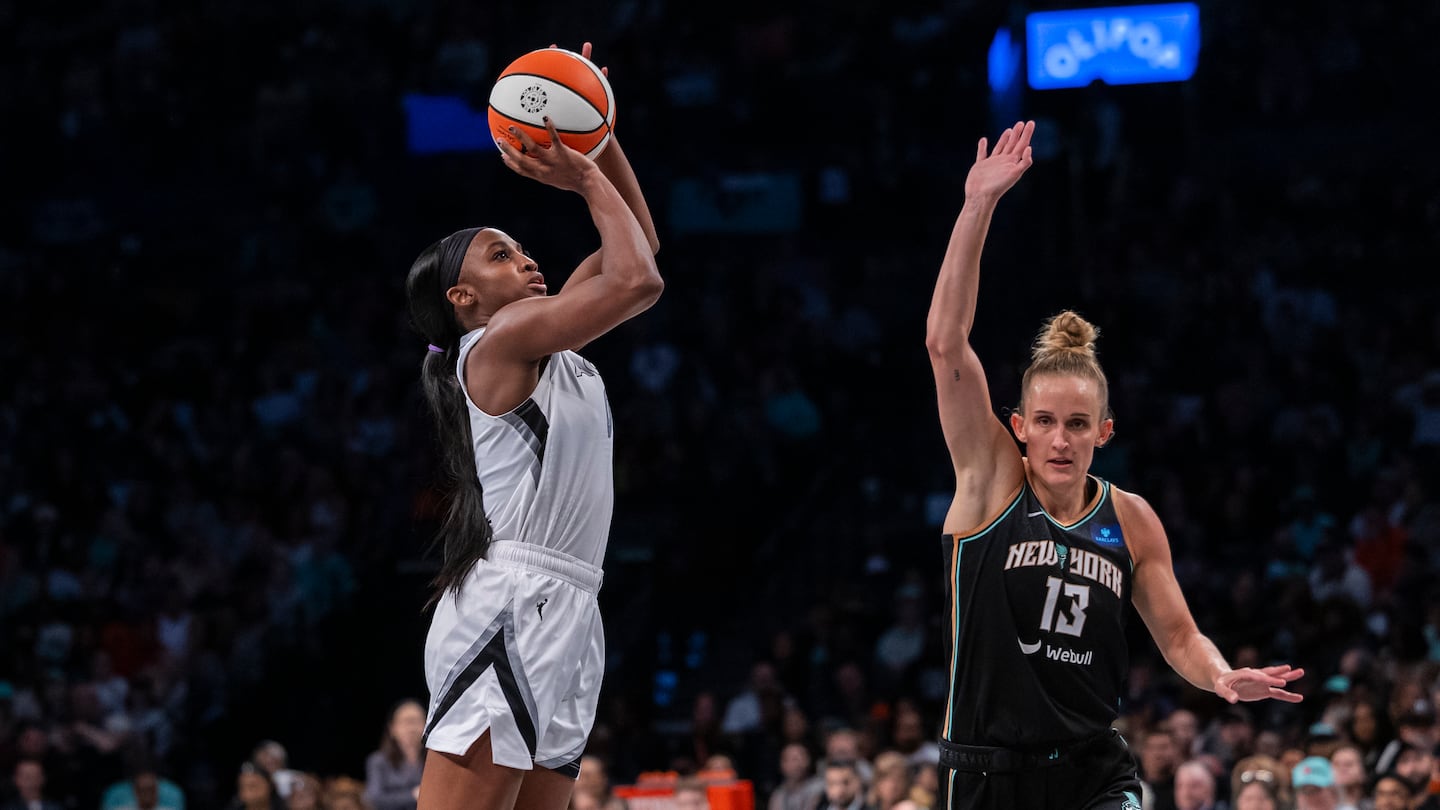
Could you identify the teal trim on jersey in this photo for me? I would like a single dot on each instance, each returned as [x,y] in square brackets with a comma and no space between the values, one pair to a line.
[1019,496]
[1099,502]
[955,574]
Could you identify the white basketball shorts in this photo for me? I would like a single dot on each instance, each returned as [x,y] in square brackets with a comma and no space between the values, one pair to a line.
[520,653]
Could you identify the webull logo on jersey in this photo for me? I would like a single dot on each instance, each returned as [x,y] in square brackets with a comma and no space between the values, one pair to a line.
[1069,656]
[1084,564]
[1107,535]
[1062,654]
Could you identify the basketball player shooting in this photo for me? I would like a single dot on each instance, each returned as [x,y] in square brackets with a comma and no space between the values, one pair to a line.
[516,650]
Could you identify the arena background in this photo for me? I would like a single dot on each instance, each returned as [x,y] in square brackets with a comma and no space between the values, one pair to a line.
[216,477]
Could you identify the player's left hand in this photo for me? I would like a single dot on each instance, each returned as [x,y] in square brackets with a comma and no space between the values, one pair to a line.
[1266,683]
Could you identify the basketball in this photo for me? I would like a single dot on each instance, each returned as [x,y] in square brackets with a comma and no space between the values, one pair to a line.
[562,84]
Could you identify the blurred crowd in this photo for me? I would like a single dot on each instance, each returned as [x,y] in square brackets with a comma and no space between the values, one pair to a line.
[217,483]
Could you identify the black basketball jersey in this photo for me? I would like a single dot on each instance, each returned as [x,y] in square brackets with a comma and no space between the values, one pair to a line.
[1037,648]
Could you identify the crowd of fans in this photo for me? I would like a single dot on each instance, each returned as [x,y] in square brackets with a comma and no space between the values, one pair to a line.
[217,483]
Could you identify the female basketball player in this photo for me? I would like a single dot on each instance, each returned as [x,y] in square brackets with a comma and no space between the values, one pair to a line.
[516,649]
[1042,557]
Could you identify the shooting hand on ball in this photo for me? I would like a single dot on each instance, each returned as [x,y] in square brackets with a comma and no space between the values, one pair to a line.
[554,163]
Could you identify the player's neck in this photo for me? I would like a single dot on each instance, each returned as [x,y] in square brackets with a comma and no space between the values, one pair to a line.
[1065,503]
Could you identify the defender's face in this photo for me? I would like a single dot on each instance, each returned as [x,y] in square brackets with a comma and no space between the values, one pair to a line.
[1062,424]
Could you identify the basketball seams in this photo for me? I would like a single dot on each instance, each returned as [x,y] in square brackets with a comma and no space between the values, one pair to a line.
[552,54]
[557,68]
[605,85]
[579,93]
[540,128]
[540,134]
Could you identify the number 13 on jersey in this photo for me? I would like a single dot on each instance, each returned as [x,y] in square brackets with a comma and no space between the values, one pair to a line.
[1069,618]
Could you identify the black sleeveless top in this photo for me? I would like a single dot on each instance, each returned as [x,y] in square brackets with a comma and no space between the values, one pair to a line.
[1037,648]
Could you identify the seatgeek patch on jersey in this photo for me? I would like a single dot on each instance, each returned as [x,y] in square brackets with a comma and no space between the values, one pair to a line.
[1107,535]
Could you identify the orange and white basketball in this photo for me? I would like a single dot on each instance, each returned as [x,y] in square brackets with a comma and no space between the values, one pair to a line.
[562,84]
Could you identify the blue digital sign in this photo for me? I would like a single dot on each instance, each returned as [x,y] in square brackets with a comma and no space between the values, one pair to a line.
[445,124]
[1116,45]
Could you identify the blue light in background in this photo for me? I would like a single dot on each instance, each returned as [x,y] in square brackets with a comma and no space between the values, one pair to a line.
[1116,45]
[1004,61]
[444,124]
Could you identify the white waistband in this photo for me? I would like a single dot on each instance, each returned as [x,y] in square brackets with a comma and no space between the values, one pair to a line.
[558,564]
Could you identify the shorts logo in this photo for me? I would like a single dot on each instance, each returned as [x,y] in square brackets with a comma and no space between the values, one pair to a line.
[540,608]
[1108,535]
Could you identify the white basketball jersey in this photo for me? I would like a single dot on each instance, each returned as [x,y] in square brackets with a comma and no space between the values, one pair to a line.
[547,467]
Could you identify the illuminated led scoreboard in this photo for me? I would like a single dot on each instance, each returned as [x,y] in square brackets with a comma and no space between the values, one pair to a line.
[1114,45]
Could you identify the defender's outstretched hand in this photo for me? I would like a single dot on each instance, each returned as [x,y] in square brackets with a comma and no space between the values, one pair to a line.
[995,172]
[1250,684]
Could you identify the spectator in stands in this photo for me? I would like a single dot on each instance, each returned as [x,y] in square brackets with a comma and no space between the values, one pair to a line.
[1350,776]
[255,790]
[757,705]
[29,782]
[800,787]
[594,780]
[344,793]
[892,783]
[1230,737]
[1184,728]
[275,760]
[1415,728]
[900,645]
[1367,729]
[144,790]
[1194,786]
[1390,792]
[910,736]
[703,737]
[392,772]
[1159,758]
[305,793]
[1313,781]
[1256,795]
[691,794]
[847,745]
[845,789]
[1260,768]
[1415,765]
[345,801]
[718,763]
